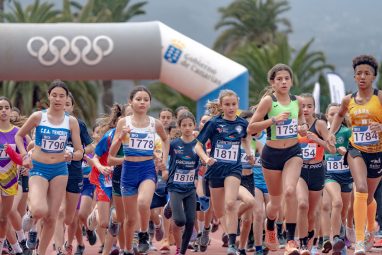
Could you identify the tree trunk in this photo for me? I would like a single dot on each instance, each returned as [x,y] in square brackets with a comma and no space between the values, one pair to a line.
[107,98]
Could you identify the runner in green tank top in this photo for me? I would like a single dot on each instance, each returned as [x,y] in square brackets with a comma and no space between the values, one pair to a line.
[281,114]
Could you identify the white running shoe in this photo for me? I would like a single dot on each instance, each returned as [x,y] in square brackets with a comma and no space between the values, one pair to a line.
[92,220]
[350,234]
[27,222]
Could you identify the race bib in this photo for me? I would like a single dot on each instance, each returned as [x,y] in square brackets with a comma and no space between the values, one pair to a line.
[184,176]
[257,160]
[141,141]
[363,136]
[286,129]
[336,163]
[244,159]
[226,152]
[3,154]
[309,150]
[53,143]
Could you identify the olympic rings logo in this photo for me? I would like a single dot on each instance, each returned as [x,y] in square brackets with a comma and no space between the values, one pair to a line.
[69,47]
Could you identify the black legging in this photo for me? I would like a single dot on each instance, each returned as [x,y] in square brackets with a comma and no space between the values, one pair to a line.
[183,206]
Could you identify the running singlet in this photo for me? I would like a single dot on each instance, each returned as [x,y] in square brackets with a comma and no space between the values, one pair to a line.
[311,150]
[8,169]
[335,162]
[183,166]
[288,128]
[52,138]
[225,136]
[141,141]
[361,116]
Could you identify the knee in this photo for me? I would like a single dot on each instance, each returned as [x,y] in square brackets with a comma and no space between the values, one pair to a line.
[50,219]
[251,203]
[3,220]
[143,205]
[361,187]
[290,192]
[230,206]
[337,204]
[131,221]
[39,213]
[180,222]
[303,206]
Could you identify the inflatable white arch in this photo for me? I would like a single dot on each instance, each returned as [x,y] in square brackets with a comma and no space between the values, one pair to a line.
[112,51]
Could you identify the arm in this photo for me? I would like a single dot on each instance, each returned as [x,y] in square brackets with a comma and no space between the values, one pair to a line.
[246,143]
[257,122]
[324,132]
[105,170]
[77,145]
[165,147]
[13,155]
[202,154]
[302,125]
[338,118]
[120,132]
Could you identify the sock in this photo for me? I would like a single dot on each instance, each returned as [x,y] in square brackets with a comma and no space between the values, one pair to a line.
[16,248]
[290,230]
[20,235]
[360,215]
[270,224]
[201,225]
[371,212]
[304,241]
[311,234]
[2,240]
[279,228]
[207,228]
[259,248]
[325,238]
[231,239]
[315,241]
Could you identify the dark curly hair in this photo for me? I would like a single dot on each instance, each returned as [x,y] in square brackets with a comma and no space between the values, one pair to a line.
[366,60]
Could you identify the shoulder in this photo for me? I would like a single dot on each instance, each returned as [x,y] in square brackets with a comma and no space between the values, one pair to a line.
[242,121]
[321,124]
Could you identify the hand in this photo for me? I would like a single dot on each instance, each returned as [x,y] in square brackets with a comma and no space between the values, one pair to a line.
[68,156]
[27,161]
[341,150]
[161,166]
[202,170]
[165,175]
[210,161]
[106,170]
[311,136]
[251,160]
[332,139]
[24,171]
[282,117]
[5,147]
[125,130]
[302,130]
[375,126]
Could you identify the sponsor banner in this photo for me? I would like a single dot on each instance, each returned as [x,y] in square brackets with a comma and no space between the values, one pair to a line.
[316,96]
[192,68]
[337,88]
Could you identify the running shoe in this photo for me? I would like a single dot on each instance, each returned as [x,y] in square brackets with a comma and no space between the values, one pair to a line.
[326,246]
[359,248]
[291,248]
[114,250]
[159,231]
[304,250]
[143,242]
[68,249]
[27,222]
[91,236]
[271,241]
[32,240]
[80,250]
[350,234]
[204,240]
[231,250]
[92,220]
[338,245]
[369,240]
[225,240]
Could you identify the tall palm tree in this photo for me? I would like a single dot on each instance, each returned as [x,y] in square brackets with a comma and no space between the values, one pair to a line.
[33,13]
[170,97]
[103,11]
[245,21]
[306,64]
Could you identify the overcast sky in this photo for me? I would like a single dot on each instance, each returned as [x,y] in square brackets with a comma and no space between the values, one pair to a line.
[341,28]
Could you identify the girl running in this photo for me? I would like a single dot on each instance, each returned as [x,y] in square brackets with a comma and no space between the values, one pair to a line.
[49,175]
[281,114]
[365,149]
[227,132]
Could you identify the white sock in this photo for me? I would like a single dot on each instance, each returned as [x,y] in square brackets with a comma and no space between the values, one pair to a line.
[2,240]
[16,247]
[201,225]
[20,235]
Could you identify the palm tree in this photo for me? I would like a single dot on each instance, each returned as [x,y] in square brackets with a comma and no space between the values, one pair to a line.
[103,11]
[306,64]
[34,13]
[170,97]
[246,21]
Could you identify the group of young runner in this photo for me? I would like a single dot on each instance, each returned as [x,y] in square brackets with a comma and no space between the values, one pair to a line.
[277,175]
